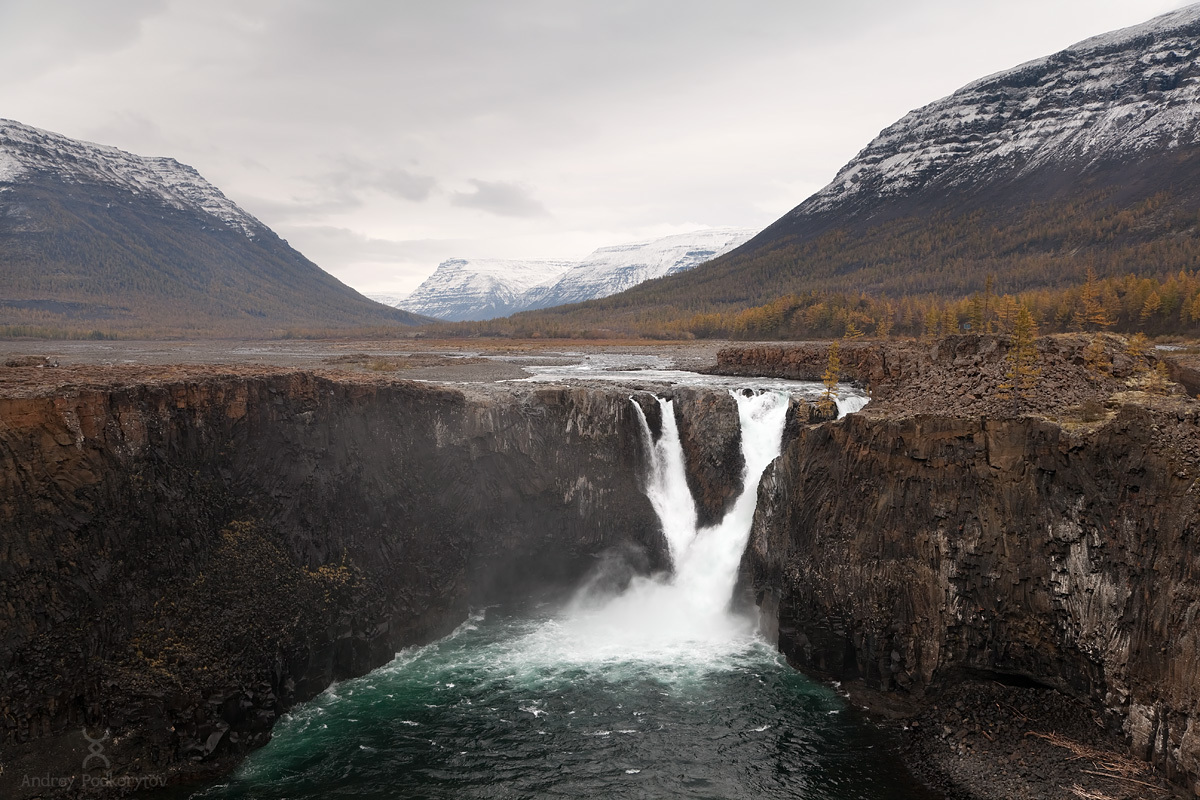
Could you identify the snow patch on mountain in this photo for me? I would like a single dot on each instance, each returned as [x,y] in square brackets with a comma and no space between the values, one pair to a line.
[610,270]
[25,149]
[480,288]
[1110,97]
[10,168]
[475,289]
[393,300]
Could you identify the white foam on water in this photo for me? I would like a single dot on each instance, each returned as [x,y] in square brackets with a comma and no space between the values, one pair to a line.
[675,628]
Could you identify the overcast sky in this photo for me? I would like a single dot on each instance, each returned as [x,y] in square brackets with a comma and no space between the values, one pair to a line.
[382,136]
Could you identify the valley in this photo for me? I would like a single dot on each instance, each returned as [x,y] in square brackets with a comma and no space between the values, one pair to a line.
[896,496]
[331,485]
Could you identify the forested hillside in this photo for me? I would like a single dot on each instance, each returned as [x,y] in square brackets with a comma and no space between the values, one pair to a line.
[1085,162]
[1141,251]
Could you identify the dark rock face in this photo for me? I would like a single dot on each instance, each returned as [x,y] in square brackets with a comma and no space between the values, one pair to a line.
[184,561]
[1185,370]
[711,436]
[904,550]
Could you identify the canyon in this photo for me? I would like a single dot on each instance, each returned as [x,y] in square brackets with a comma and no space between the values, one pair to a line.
[190,552]
[185,559]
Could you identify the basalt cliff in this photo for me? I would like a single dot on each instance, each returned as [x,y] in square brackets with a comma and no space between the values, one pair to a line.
[908,546]
[188,553]
[184,558]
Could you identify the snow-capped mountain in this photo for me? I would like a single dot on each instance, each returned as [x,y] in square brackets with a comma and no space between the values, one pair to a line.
[393,300]
[610,270]
[25,150]
[95,238]
[480,288]
[475,289]
[1113,97]
[1087,159]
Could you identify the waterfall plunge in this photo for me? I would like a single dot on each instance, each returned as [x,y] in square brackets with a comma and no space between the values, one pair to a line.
[706,567]
[662,617]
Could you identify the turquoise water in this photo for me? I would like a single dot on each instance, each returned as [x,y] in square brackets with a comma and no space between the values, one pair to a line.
[655,692]
[538,705]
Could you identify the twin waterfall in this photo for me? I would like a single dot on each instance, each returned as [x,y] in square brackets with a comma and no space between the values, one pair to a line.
[706,559]
[677,617]
[656,690]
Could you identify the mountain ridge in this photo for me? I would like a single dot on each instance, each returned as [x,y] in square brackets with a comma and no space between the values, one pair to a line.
[480,289]
[98,240]
[1013,119]
[25,149]
[1084,161]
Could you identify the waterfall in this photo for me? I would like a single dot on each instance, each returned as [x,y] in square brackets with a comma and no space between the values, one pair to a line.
[706,568]
[656,691]
[687,612]
[666,484]
[850,404]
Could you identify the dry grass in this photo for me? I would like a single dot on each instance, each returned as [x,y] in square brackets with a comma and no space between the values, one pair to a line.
[1108,765]
[1087,794]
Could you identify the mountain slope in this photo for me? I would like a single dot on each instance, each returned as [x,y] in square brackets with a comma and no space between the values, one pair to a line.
[614,269]
[92,237]
[481,289]
[1088,158]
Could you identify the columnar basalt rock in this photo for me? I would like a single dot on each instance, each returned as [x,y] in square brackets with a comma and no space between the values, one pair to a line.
[903,550]
[961,374]
[185,559]
[711,437]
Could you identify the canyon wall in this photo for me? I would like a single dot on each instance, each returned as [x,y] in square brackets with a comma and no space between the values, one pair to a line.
[905,550]
[182,560]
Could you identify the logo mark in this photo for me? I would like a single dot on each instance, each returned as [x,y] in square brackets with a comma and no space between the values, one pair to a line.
[95,749]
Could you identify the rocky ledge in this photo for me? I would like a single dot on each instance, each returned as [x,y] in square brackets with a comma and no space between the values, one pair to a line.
[189,552]
[924,555]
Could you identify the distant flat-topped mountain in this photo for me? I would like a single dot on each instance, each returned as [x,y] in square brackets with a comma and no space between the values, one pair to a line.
[1088,158]
[92,237]
[478,289]
[614,269]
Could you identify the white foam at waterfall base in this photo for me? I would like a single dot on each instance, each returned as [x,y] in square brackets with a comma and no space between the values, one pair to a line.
[680,622]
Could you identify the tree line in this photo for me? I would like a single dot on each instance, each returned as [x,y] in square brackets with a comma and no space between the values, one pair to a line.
[1166,305]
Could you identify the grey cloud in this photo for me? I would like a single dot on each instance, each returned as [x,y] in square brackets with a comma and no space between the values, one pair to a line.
[424,66]
[341,189]
[131,126]
[352,177]
[404,184]
[503,199]
[299,209]
[350,245]
[39,35]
